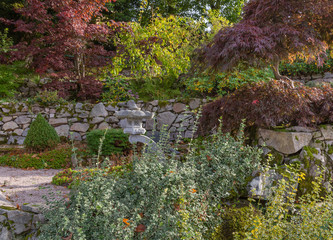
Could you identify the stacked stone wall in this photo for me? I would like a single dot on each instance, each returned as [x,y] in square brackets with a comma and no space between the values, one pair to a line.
[75,120]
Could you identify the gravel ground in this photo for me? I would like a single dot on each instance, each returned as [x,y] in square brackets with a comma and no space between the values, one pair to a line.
[29,186]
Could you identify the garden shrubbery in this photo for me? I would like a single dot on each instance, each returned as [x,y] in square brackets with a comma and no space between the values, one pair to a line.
[166,199]
[55,159]
[269,104]
[41,135]
[223,83]
[70,177]
[286,216]
[113,141]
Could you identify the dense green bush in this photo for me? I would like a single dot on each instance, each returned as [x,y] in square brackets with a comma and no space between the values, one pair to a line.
[115,141]
[234,220]
[5,42]
[47,98]
[158,199]
[117,90]
[56,159]
[224,83]
[41,135]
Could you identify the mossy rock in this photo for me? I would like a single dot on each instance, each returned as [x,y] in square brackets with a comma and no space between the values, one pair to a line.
[310,163]
[276,158]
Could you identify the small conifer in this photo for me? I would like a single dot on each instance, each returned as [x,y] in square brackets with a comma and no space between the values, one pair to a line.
[41,135]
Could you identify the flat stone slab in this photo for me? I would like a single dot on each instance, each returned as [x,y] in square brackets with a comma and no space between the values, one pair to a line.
[285,142]
[327,132]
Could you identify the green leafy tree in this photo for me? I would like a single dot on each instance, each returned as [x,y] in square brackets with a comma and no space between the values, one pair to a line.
[130,10]
[158,53]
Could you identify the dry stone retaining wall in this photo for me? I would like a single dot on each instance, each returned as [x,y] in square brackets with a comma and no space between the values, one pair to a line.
[75,120]
[311,148]
[16,224]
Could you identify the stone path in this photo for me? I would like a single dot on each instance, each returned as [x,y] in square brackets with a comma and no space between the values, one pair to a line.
[29,186]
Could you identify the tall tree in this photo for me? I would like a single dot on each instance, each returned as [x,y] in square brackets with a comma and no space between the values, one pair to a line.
[270,31]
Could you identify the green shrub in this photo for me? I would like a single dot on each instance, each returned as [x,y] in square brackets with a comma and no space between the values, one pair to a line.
[159,199]
[47,98]
[300,67]
[55,159]
[115,141]
[224,83]
[13,76]
[117,90]
[234,220]
[70,178]
[41,135]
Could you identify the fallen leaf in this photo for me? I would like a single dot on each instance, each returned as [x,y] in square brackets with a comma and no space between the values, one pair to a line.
[140,228]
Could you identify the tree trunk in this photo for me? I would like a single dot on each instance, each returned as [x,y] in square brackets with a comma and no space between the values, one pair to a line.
[79,65]
[275,68]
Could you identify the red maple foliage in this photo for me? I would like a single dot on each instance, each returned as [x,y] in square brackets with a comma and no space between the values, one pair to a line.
[270,31]
[63,36]
[268,105]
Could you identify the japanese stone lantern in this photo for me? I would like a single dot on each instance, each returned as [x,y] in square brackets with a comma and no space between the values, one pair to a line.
[133,125]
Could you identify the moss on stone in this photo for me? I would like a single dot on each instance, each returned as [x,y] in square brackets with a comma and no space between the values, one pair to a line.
[8,208]
[310,151]
[162,103]
[330,149]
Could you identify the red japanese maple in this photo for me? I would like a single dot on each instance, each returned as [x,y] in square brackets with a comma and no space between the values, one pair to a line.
[62,35]
[270,31]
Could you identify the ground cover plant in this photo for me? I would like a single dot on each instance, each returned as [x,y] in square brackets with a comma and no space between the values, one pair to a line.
[55,159]
[158,199]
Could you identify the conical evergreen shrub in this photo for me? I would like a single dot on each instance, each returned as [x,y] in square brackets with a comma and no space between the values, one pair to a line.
[41,135]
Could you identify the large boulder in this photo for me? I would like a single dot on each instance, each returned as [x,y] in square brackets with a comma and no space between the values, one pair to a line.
[285,142]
